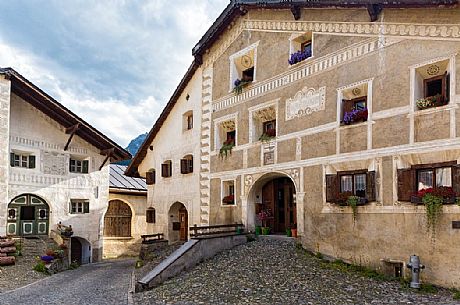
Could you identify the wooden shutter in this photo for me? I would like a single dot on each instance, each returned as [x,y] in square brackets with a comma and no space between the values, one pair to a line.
[456,179]
[31,161]
[447,90]
[370,186]
[332,188]
[164,170]
[12,159]
[406,183]
[347,106]
[151,215]
[150,177]
[190,165]
[84,168]
[183,166]
[86,207]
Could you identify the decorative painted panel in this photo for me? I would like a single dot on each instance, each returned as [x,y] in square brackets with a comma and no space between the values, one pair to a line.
[11,230]
[305,102]
[27,228]
[42,228]
[54,163]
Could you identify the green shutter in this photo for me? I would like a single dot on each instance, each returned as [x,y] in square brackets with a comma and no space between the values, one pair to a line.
[85,166]
[12,159]
[86,207]
[31,161]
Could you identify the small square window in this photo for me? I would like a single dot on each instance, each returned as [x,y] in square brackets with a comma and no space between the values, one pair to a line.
[78,166]
[79,207]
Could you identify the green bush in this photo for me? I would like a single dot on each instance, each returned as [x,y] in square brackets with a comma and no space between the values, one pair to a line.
[74,265]
[428,288]
[40,267]
[456,294]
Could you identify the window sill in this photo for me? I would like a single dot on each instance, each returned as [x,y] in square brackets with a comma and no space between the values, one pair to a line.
[433,110]
[301,62]
[344,126]
[227,205]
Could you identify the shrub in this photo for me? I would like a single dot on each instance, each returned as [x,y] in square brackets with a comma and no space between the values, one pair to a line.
[40,267]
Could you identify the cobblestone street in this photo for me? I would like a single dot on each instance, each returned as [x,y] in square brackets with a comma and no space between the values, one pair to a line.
[271,271]
[93,284]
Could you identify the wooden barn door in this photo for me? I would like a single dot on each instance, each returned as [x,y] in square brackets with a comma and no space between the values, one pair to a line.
[117,220]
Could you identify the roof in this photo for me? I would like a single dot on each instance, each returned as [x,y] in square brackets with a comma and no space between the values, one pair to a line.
[69,120]
[239,7]
[142,152]
[119,180]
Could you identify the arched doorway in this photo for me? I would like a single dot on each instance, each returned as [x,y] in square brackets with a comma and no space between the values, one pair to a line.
[117,219]
[273,192]
[80,250]
[178,222]
[28,215]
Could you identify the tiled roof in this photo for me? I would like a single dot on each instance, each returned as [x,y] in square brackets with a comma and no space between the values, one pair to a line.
[119,180]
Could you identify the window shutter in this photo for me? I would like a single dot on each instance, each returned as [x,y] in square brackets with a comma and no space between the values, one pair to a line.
[456,179]
[183,166]
[31,161]
[12,159]
[370,186]
[164,170]
[447,86]
[332,189]
[406,183]
[190,165]
[85,164]
[86,207]
[150,178]
[347,106]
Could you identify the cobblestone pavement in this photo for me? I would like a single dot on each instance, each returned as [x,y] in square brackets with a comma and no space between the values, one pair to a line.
[93,284]
[271,271]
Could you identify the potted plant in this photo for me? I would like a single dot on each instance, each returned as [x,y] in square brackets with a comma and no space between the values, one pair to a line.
[226,148]
[294,230]
[263,216]
[431,101]
[355,116]
[268,135]
[299,56]
[47,258]
[288,232]
[353,201]
[239,84]
[258,230]
[230,199]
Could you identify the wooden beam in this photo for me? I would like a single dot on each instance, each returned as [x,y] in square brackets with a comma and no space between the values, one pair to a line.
[71,130]
[105,161]
[374,11]
[295,10]
[108,152]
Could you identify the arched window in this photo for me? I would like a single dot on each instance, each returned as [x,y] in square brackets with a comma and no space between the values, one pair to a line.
[117,220]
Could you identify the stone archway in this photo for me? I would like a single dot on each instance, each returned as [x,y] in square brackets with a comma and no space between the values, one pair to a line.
[28,215]
[178,222]
[275,191]
[80,250]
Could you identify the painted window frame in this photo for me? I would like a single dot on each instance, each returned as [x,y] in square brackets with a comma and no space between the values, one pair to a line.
[79,206]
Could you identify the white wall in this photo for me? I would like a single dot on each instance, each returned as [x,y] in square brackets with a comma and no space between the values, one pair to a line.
[173,143]
[34,132]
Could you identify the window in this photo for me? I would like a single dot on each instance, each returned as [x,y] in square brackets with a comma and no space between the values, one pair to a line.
[79,207]
[22,160]
[432,85]
[166,169]
[117,219]
[425,176]
[355,104]
[301,47]
[150,177]
[228,192]
[78,166]
[186,165]
[230,136]
[225,133]
[359,183]
[188,120]
[150,215]
[243,67]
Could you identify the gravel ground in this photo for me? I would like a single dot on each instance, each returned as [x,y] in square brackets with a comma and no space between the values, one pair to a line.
[270,271]
[93,284]
[154,258]
[19,275]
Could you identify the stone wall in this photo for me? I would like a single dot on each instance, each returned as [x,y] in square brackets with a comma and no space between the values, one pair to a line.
[4,150]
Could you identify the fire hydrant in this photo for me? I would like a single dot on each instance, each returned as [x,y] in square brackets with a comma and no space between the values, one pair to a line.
[415,266]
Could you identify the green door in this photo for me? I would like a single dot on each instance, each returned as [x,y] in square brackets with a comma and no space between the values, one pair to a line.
[28,215]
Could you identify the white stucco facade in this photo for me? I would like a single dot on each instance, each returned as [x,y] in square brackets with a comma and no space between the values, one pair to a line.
[25,130]
[173,142]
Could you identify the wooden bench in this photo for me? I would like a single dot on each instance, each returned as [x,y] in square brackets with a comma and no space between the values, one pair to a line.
[152,238]
[202,231]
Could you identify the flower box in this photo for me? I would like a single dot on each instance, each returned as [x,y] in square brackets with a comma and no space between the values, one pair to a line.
[230,199]
[431,101]
[299,56]
[447,193]
[355,116]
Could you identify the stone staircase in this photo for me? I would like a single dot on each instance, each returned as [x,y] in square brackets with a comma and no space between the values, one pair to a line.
[36,246]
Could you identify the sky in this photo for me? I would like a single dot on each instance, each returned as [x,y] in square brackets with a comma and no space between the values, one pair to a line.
[114,63]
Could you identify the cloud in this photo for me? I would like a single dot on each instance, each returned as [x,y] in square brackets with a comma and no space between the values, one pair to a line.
[105,60]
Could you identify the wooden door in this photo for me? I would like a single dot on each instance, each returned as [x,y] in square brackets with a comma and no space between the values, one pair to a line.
[183,218]
[268,202]
[75,250]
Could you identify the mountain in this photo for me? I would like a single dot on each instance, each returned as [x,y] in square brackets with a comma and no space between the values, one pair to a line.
[133,147]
